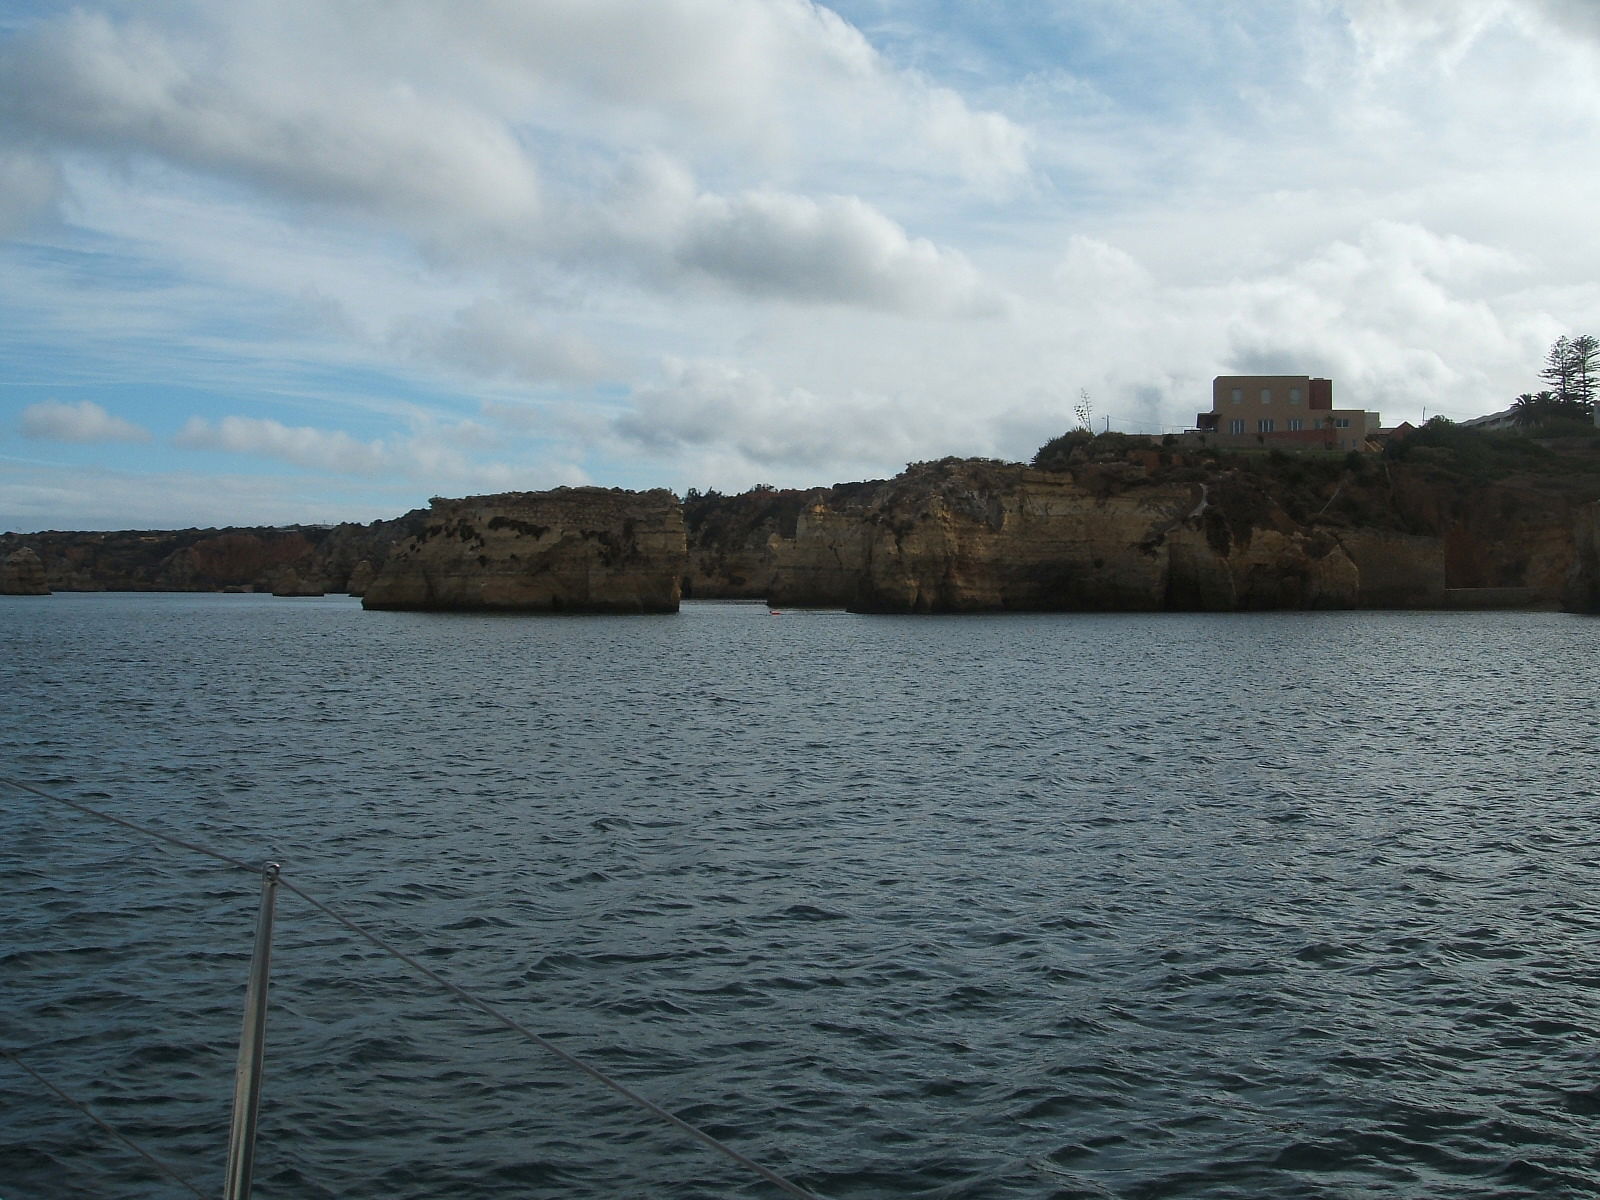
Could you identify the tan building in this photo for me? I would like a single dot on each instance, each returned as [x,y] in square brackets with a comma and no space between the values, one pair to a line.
[1283,410]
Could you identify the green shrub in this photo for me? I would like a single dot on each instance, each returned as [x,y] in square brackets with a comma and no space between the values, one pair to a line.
[1476,453]
[1055,454]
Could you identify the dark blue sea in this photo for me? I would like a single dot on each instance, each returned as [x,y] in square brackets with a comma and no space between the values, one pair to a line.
[1027,906]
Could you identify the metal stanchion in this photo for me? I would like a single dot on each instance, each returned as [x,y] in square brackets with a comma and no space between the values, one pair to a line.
[252,1044]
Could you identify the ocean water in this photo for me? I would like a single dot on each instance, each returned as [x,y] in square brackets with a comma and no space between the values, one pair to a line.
[1277,905]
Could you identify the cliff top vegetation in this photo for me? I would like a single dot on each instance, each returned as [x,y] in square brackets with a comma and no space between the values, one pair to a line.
[1556,455]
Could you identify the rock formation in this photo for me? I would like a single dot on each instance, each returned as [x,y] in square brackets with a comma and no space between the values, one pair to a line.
[206,560]
[1582,586]
[22,574]
[289,582]
[1443,519]
[1139,534]
[731,539]
[569,550]
[361,577]
[983,536]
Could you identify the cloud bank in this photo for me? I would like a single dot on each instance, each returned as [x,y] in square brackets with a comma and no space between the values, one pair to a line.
[405,249]
[84,421]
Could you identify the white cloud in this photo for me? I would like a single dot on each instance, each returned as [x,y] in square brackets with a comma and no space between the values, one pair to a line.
[713,404]
[75,498]
[1577,16]
[84,421]
[370,112]
[1388,313]
[988,148]
[1388,32]
[248,111]
[785,81]
[474,233]
[303,446]
[441,454]
[1401,316]
[773,245]
[29,184]
[837,249]
[1097,269]
[497,338]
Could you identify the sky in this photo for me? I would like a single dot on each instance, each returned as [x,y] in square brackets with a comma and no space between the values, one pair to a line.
[268,262]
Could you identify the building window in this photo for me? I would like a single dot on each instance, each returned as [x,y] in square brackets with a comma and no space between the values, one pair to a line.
[1266,395]
[1264,425]
[1236,426]
[1294,425]
[1294,395]
[1238,395]
[1341,422]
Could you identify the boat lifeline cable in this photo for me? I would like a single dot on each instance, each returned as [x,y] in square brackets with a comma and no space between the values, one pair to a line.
[483,1006]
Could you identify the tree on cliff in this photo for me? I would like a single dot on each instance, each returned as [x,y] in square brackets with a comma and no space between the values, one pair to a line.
[1584,354]
[1557,369]
[1534,408]
[1571,370]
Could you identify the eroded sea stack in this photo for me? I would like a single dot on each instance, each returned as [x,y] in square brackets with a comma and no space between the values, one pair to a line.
[22,574]
[584,549]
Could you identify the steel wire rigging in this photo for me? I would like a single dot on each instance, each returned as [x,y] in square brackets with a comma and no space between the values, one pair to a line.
[459,993]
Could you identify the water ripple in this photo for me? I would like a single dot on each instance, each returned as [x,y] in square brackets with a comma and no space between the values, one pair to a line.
[1289,905]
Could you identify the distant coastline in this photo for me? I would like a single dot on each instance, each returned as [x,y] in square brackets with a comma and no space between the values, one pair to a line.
[1447,519]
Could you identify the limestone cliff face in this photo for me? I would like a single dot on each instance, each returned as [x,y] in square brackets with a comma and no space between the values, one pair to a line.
[1116,523]
[22,574]
[361,577]
[730,539]
[981,536]
[1508,534]
[1582,587]
[320,558]
[289,582]
[568,550]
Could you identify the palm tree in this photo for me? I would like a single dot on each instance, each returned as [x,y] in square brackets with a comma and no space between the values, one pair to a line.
[1530,409]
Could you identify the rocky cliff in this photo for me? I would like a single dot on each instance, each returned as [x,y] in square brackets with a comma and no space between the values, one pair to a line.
[731,539]
[22,574]
[296,560]
[984,536]
[568,550]
[1149,529]
[1582,590]
[1448,518]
